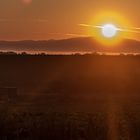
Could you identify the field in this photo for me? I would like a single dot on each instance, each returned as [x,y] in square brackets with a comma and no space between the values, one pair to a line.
[75,97]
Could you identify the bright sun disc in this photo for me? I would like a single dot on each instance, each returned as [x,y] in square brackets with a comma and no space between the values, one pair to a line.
[109,30]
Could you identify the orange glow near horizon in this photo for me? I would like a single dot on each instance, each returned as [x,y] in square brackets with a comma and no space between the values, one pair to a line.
[51,19]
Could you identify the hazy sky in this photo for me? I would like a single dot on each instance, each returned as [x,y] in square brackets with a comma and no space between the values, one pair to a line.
[46,19]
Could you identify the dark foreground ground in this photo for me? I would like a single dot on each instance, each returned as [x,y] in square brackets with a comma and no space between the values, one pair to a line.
[71,98]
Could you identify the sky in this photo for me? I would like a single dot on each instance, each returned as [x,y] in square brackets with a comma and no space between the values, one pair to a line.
[57,19]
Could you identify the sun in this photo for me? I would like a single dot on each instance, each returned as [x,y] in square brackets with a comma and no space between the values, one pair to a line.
[109,30]
[108,34]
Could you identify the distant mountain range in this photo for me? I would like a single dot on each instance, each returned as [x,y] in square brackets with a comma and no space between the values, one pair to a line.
[82,44]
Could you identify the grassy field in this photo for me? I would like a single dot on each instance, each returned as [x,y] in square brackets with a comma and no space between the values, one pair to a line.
[71,97]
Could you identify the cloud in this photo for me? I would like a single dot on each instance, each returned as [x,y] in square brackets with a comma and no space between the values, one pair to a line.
[41,20]
[61,35]
[70,34]
[4,20]
[23,20]
[127,29]
[76,35]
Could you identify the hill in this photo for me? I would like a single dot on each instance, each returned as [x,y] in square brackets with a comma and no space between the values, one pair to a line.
[84,44]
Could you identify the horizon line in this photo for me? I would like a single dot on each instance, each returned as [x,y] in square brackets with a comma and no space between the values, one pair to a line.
[59,39]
